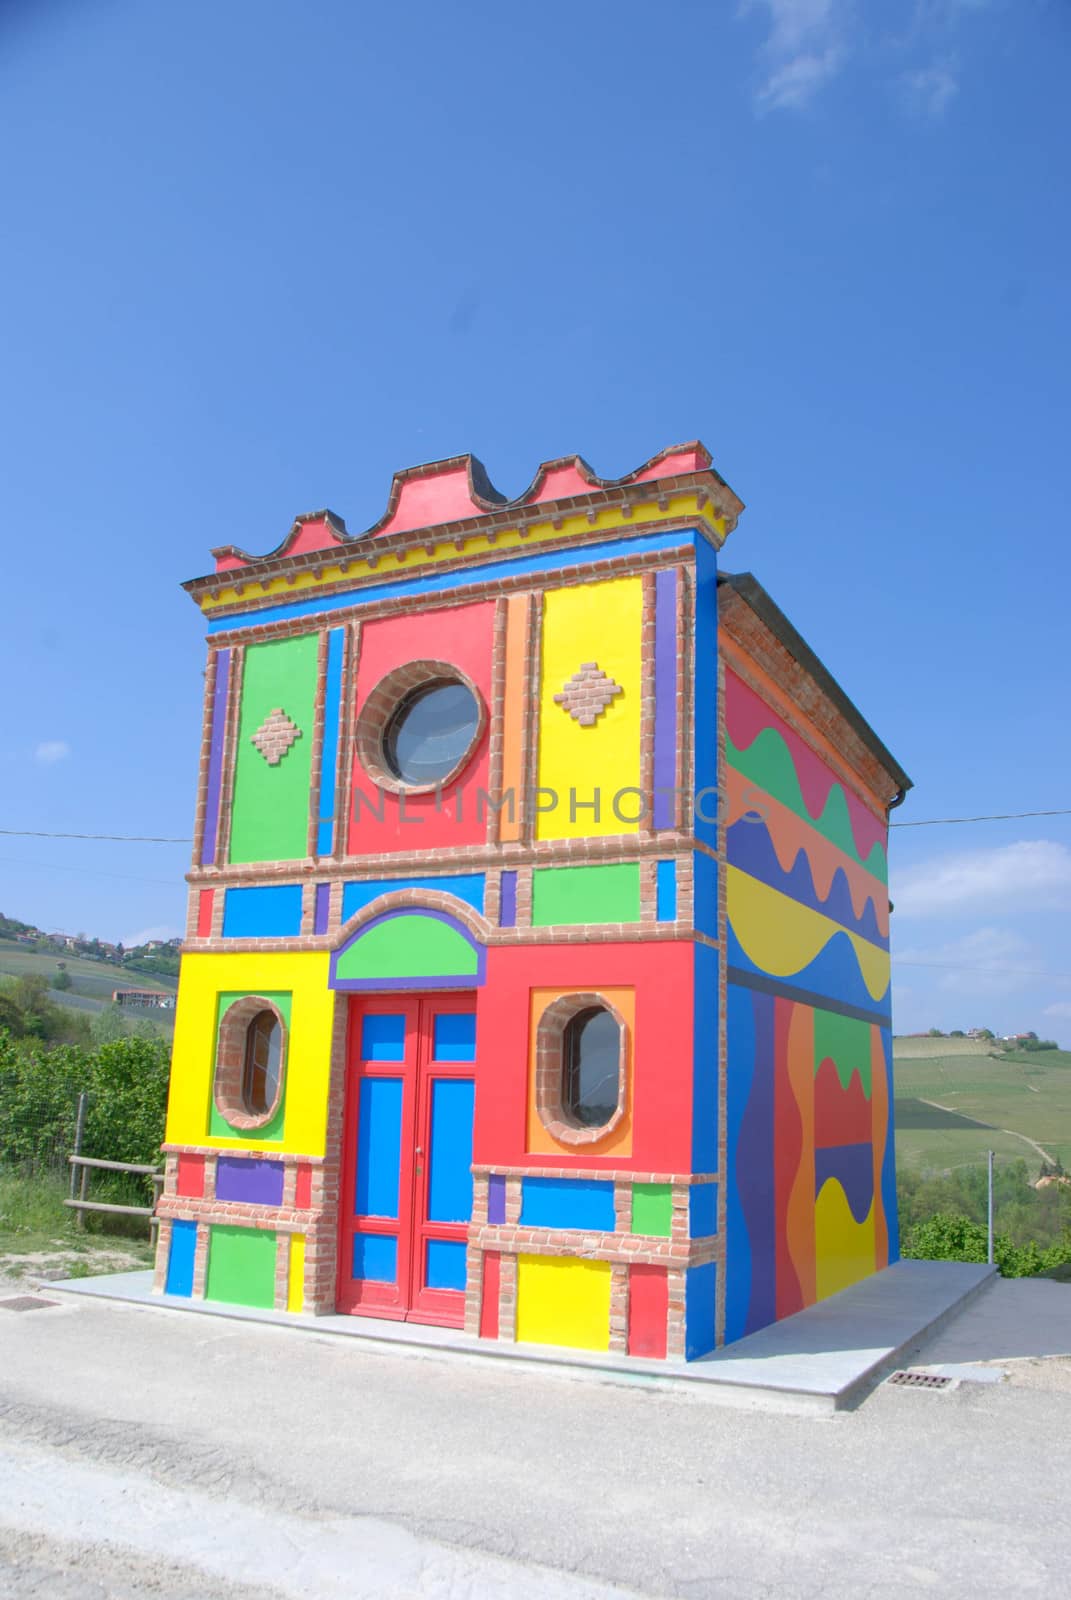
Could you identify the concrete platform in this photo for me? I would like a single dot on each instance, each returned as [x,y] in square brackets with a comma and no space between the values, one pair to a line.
[825,1358]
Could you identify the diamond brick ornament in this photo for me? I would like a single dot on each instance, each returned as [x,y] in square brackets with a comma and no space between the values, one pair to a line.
[275,736]
[587,693]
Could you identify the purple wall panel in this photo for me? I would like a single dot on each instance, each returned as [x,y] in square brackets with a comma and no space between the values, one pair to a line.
[321,908]
[496,1198]
[215,757]
[507,914]
[251,1182]
[665,676]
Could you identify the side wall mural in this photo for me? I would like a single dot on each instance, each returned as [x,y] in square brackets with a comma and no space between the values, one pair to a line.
[811,1206]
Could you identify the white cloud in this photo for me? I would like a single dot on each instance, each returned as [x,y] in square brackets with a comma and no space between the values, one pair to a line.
[798,81]
[809,41]
[929,90]
[1061,1011]
[52,750]
[804,49]
[1030,875]
[989,962]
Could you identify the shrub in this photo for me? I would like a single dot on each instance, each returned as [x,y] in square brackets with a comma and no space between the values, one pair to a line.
[949,1237]
[126,1085]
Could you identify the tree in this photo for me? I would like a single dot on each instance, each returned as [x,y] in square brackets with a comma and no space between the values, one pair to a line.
[109,1025]
[63,979]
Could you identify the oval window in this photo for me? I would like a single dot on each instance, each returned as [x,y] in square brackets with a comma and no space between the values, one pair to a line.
[591,1067]
[263,1056]
[431,732]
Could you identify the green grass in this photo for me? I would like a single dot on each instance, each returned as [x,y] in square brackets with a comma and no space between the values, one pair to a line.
[1026,1093]
[95,979]
[905,1048]
[35,1222]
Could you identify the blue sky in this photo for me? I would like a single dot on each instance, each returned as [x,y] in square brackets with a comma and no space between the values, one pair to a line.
[259,255]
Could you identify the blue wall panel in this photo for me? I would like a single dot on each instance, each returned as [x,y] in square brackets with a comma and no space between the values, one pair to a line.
[383,1036]
[567,1203]
[446,1264]
[375,1257]
[379,1144]
[355,896]
[700,1285]
[454,1036]
[272,913]
[705,714]
[450,1155]
[666,884]
[180,1258]
[705,879]
[702,1210]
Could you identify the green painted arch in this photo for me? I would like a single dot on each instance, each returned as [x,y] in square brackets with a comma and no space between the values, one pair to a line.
[401,948]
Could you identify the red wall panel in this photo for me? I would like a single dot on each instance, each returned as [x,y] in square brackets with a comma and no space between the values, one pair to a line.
[648,1304]
[462,636]
[662,1049]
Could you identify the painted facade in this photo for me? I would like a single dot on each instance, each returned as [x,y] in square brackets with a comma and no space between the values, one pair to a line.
[667,823]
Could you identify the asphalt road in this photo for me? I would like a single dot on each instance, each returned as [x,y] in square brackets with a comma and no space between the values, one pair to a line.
[146,1453]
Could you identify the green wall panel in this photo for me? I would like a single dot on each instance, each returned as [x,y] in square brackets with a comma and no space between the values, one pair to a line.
[270,809]
[652,1209]
[272,1132]
[585,894]
[409,947]
[241,1266]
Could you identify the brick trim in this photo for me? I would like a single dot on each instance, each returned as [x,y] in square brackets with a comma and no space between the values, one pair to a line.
[230,1063]
[551,1031]
[381,704]
[409,900]
[347,711]
[230,759]
[647,701]
[201,804]
[315,772]
[630,1248]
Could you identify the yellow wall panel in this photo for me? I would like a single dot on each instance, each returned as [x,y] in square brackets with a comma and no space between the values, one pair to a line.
[563,1300]
[203,978]
[600,622]
[295,1293]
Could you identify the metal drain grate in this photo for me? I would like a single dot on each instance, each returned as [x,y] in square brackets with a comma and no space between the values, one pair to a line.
[919,1380]
[26,1302]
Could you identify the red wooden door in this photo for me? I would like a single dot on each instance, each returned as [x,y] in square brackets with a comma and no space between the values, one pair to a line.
[406,1180]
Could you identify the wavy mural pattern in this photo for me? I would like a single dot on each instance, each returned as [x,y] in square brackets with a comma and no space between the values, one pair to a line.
[809,1073]
[812,1087]
[771,934]
[777,761]
[790,834]
[750,846]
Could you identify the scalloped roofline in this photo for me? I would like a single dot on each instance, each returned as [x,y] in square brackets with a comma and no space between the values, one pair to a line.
[459,490]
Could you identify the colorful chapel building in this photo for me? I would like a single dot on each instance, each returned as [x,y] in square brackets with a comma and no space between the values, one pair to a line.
[536,976]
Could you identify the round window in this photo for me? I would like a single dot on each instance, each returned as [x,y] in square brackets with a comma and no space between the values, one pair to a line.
[431,732]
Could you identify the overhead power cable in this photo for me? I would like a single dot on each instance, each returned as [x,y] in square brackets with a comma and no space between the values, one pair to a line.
[115,838]
[998,972]
[149,838]
[1000,816]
